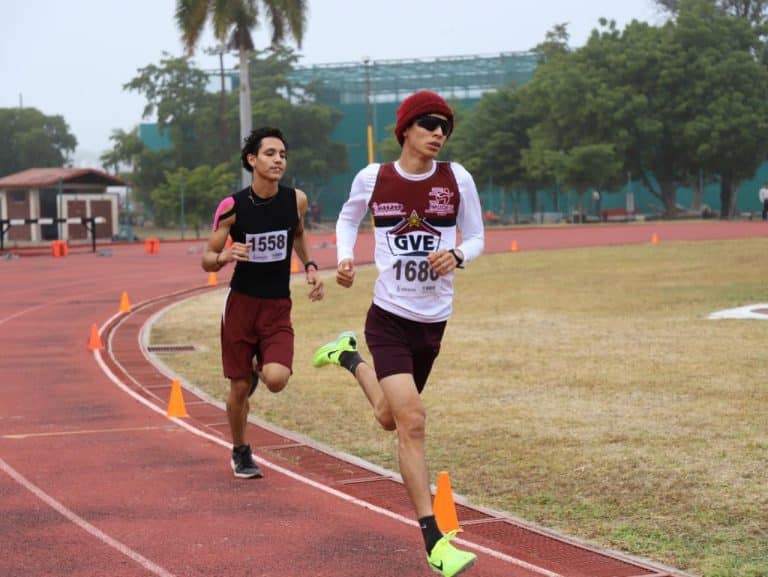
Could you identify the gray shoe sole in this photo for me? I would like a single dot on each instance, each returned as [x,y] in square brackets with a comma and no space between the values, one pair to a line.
[254,474]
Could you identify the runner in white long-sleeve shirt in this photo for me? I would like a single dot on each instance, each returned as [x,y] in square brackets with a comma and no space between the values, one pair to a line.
[418,206]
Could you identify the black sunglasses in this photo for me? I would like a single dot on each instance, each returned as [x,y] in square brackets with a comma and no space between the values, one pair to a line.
[429,122]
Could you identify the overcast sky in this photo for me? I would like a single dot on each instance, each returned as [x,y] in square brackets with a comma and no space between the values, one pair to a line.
[72,58]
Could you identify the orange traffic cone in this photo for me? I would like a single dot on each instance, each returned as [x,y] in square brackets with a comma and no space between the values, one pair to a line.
[176,407]
[654,238]
[212,281]
[94,342]
[59,248]
[294,264]
[513,246]
[125,304]
[152,245]
[444,507]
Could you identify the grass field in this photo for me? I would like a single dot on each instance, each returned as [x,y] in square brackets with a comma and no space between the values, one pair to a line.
[584,390]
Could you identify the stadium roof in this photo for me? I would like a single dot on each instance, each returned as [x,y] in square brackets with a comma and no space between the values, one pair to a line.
[392,80]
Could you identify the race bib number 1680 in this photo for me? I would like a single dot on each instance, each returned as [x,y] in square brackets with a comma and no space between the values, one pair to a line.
[414,277]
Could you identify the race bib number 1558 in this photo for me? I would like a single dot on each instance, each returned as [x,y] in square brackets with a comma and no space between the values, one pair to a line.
[267,246]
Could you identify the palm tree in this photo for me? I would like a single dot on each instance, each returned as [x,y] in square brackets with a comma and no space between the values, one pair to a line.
[125,151]
[233,21]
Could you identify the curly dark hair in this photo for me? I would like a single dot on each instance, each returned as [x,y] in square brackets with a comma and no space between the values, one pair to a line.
[252,143]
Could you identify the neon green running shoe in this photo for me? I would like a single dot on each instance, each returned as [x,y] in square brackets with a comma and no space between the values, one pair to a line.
[329,353]
[447,560]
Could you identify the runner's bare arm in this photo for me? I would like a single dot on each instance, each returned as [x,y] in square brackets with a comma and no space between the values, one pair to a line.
[301,247]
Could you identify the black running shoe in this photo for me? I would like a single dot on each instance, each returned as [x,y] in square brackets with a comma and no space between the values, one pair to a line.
[243,465]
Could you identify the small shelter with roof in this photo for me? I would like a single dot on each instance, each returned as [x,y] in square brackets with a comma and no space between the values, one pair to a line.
[63,195]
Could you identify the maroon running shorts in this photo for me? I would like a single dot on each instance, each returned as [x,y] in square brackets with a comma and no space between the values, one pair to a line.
[255,326]
[400,345]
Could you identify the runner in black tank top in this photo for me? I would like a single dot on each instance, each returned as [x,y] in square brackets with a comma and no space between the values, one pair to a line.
[266,224]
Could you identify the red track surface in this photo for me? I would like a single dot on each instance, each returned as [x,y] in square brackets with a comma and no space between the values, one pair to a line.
[95,483]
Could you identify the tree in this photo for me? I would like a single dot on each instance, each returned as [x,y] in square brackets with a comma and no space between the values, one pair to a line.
[555,42]
[572,107]
[728,129]
[176,91]
[497,130]
[754,11]
[232,25]
[592,166]
[32,139]
[672,101]
[186,113]
[189,197]
[125,152]
[122,159]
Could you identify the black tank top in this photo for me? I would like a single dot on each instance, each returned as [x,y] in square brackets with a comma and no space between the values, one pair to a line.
[267,226]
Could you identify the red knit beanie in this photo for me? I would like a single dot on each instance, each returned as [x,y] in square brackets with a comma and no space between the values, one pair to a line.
[419,104]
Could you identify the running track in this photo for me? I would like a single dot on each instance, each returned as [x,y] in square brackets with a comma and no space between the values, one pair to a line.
[96,480]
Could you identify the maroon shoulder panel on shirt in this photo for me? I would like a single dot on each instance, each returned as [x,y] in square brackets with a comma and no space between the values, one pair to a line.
[435,199]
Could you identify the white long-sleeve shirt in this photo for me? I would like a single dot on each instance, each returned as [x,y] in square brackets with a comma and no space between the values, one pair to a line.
[414,214]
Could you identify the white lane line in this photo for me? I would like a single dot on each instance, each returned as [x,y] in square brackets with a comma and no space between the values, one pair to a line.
[80,432]
[82,523]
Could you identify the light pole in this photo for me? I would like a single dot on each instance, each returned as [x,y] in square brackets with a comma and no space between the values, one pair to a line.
[369,112]
[183,216]
[127,231]
[246,109]
[220,49]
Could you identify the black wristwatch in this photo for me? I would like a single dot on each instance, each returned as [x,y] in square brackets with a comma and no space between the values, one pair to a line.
[310,263]
[459,260]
